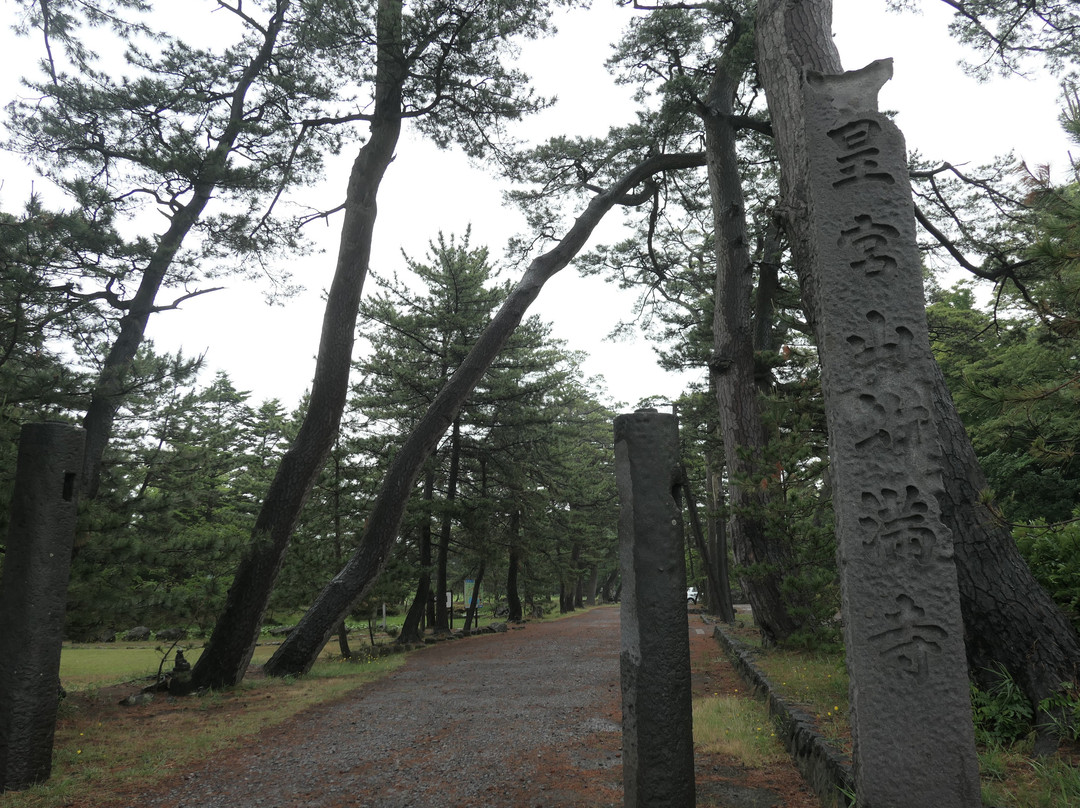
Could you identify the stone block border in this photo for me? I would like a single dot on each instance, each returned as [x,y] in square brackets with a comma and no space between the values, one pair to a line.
[827,771]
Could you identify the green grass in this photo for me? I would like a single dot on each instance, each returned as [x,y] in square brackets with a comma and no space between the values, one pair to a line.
[818,683]
[1010,776]
[740,727]
[90,666]
[102,751]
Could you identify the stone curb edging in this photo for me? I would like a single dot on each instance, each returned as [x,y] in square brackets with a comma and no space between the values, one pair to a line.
[827,771]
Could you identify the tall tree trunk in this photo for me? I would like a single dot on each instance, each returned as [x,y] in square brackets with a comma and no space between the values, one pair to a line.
[760,558]
[590,588]
[411,631]
[720,596]
[302,646]
[605,590]
[513,599]
[568,586]
[711,569]
[442,610]
[232,642]
[339,549]
[470,614]
[343,639]
[1009,619]
[110,385]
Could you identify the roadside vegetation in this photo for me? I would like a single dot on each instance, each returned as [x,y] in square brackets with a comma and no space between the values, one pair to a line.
[1012,775]
[103,751]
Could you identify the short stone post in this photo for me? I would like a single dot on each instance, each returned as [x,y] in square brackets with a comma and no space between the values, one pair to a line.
[913,742]
[33,596]
[658,742]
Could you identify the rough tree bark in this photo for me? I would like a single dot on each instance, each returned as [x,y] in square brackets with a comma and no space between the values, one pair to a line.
[232,642]
[1009,620]
[302,646]
[760,560]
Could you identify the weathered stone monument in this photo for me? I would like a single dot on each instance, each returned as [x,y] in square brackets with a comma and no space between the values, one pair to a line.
[658,742]
[33,596]
[910,709]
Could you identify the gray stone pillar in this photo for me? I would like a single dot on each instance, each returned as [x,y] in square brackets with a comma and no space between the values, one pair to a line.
[33,595]
[658,741]
[910,709]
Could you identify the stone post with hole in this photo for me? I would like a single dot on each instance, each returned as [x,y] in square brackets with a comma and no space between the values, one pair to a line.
[913,742]
[33,596]
[658,742]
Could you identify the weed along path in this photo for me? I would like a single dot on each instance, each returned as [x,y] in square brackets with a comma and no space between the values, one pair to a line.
[530,717]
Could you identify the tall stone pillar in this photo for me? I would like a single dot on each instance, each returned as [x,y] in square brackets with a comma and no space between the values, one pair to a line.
[658,742]
[910,708]
[33,596]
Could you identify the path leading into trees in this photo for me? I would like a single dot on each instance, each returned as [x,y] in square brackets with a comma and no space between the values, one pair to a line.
[526,718]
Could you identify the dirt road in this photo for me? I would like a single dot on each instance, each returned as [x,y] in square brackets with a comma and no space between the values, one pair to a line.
[526,718]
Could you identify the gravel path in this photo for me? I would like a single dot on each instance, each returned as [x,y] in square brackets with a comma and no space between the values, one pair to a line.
[526,718]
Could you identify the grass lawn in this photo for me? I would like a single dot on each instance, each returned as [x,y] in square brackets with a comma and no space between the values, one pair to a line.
[1011,777]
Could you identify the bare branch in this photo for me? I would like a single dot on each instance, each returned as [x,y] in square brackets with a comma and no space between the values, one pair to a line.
[176,303]
[323,214]
[239,12]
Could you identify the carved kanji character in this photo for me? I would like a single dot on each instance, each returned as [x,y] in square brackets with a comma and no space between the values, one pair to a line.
[912,639]
[903,525]
[858,157]
[871,243]
[881,339]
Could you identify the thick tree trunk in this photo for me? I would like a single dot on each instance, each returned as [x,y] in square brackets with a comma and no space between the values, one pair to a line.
[302,646]
[761,560]
[513,599]
[411,629]
[1008,618]
[232,642]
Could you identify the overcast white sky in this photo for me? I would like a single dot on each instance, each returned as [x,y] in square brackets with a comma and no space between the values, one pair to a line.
[270,350]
